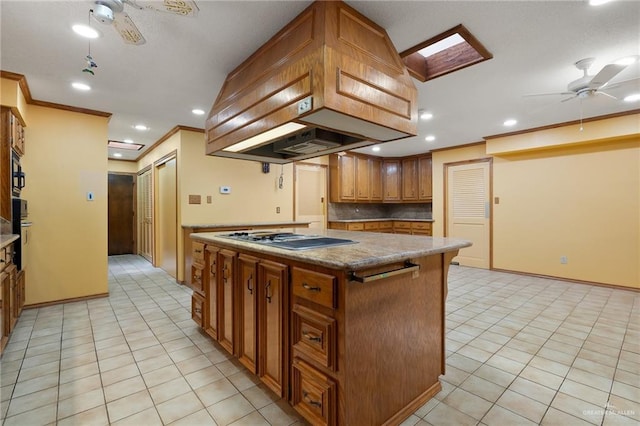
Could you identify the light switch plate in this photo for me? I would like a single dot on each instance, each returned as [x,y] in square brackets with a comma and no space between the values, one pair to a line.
[90,196]
[225,190]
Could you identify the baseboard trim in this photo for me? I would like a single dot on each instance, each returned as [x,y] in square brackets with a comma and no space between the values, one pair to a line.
[70,300]
[570,280]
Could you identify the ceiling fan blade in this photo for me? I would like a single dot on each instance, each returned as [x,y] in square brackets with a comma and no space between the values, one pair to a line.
[605,74]
[549,94]
[128,30]
[600,92]
[622,83]
[178,7]
[569,98]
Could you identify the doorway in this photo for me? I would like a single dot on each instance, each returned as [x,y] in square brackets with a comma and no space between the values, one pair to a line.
[167,212]
[121,214]
[468,210]
[145,214]
[311,194]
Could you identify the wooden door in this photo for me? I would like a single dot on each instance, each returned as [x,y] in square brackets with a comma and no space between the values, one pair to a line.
[226,272]
[167,210]
[347,171]
[5,164]
[310,195]
[424,178]
[247,337]
[375,179]
[391,180]
[410,179]
[121,214]
[145,215]
[362,179]
[272,304]
[212,292]
[468,214]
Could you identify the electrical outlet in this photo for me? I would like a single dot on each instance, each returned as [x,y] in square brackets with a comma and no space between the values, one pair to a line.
[277,209]
[563,260]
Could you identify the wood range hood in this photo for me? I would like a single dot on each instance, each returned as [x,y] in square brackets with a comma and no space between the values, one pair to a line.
[329,81]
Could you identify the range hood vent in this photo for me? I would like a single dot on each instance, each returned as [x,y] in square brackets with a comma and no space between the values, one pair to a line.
[331,79]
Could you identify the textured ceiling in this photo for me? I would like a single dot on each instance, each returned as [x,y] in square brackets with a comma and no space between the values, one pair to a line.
[185,60]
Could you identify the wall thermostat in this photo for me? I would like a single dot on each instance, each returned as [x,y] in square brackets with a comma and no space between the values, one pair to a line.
[225,190]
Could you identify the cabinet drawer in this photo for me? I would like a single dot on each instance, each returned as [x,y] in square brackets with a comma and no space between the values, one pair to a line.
[314,335]
[421,226]
[313,394]
[314,286]
[385,225]
[3,259]
[197,280]
[358,226]
[371,226]
[198,252]
[197,309]
[402,225]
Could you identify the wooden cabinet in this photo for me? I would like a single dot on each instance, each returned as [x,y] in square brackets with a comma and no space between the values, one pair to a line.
[17,135]
[313,394]
[198,285]
[363,190]
[421,228]
[391,180]
[342,171]
[5,163]
[247,310]
[425,191]
[12,294]
[410,179]
[226,274]
[375,179]
[401,227]
[212,292]
[272,311]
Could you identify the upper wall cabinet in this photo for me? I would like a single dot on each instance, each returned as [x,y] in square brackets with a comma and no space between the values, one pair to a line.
[357,178]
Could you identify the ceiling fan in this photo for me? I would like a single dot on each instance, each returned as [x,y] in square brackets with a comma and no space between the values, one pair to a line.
[590,85]
[111,12]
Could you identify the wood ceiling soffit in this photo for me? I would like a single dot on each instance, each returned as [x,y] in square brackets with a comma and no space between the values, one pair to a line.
[449,60]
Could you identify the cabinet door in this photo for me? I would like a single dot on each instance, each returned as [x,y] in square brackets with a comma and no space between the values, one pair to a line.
[247,294]
[375,179]
[212,293]
[391,180]
[227,263]
[14,297]
[347,172]
[271,321]
[424,178]
[410,179]
[362,179]
[5,164]
[5,282]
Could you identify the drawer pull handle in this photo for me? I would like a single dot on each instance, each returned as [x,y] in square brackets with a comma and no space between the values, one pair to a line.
[198,251]
[408,267]
[197,310]
[310,401]
[268,291]
[225,272]
[249,287]
[310,288]
[311,337]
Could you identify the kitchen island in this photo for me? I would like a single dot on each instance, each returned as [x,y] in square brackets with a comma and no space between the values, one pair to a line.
[348,334]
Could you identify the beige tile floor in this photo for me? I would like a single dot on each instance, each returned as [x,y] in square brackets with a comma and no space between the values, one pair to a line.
[520,351]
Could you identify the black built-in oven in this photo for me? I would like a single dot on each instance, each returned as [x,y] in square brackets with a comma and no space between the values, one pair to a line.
[19,226]
[17,175]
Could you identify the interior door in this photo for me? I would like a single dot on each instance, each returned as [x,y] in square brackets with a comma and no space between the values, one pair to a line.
[120,214]
[167,208]
[145,215]
[468,216]
[311,193]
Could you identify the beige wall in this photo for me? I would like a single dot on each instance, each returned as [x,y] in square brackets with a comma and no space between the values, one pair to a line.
[581,201]
[118,166]
[66,158]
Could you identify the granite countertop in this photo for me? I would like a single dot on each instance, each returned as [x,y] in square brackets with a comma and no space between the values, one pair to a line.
[369,251]
[382,219]
[247,224]
[6,239]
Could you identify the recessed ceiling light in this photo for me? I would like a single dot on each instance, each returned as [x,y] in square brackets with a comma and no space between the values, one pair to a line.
[598,2]
[424,115]
[117,154]
[430,138]
[80,86]
[128,141]
[510,122]
[140,127]
[375,149]
[197,111]
[635,97]
[85,31]
[627,60]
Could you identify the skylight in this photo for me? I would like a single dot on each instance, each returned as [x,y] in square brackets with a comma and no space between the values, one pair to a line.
[125,145]
[441,45]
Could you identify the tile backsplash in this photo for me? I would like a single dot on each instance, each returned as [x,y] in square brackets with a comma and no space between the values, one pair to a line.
[5,226]
[355,211]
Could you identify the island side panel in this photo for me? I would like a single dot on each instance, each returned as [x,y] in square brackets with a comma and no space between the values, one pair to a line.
[394,339]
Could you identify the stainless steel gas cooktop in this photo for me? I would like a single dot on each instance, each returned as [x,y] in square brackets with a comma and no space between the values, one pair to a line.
[288,240]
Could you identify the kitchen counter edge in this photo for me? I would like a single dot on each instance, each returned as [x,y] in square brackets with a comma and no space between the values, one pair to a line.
[368,253]
[6,239]
[384,219]
[246,224]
